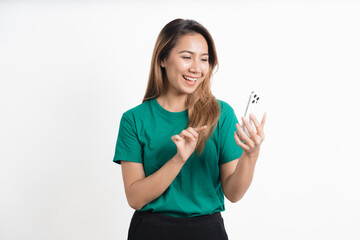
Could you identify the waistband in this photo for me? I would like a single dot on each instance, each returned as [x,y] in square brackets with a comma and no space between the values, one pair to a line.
[179,221]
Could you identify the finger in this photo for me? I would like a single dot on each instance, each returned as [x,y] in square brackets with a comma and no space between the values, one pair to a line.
[258,126]
[198,129]
[243,136]
[176,138]
[185,133]
[263,120]
[254,119]
[249,128]
[239,142]
[193,132]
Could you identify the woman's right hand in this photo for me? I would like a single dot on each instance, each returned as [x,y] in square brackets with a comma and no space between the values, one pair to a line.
[186,142]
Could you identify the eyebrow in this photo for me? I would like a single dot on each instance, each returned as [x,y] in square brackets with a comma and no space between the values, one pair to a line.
[187,51]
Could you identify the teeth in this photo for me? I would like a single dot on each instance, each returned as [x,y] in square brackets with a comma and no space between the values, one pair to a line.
[190,79]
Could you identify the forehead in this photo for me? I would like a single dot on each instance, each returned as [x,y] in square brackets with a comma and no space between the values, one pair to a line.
[193,42]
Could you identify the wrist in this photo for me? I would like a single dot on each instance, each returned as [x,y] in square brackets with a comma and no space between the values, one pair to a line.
[253,156]
[178,159]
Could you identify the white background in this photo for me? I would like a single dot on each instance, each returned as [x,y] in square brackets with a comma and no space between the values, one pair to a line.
[68,71]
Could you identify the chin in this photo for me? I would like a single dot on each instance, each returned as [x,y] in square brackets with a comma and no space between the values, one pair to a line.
[190,91]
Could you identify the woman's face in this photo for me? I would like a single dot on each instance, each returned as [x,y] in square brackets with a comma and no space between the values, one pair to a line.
[187,64]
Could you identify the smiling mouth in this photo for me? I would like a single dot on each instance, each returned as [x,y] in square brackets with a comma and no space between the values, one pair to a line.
[190,78]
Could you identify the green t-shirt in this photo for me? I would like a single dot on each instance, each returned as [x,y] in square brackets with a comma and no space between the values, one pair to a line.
[145,137]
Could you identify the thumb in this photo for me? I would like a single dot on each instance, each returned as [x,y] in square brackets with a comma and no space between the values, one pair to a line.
[176,138]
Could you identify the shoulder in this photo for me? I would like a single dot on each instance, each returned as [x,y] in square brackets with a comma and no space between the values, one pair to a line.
[137,111]
[227,114]
[225,107]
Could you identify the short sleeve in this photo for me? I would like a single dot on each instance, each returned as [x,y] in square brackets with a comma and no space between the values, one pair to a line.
[229,150]
[128,147]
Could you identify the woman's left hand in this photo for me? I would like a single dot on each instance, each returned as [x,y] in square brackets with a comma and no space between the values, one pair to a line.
[251,145]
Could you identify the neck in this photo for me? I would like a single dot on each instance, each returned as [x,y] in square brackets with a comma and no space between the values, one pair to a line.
[172,103]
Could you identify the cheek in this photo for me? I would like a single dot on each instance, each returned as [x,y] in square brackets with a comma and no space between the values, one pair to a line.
[183,66]
[179,67]
[205,68]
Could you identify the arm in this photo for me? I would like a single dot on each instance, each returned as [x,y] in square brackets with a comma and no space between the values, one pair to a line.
[141,190]
[236,177]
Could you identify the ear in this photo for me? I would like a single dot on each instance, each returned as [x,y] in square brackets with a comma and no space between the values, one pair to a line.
[162,64]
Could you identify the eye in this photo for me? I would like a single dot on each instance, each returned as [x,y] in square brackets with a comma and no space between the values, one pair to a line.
[205,59]
[186,57]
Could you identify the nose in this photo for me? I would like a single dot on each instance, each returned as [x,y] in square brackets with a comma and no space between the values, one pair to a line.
[195,67]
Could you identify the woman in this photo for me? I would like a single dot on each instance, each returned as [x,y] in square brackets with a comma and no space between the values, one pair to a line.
[179,150]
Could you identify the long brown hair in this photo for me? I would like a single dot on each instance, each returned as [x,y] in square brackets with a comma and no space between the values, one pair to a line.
[203,107]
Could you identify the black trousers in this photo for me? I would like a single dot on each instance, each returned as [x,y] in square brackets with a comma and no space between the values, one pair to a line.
[149,226]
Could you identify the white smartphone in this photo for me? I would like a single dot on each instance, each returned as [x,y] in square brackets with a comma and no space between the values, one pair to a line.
[251,107]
